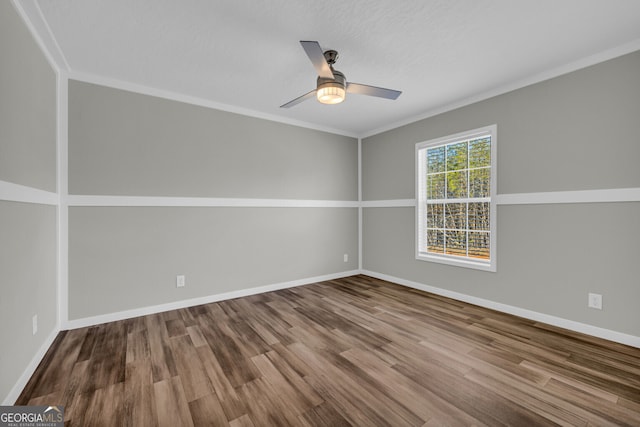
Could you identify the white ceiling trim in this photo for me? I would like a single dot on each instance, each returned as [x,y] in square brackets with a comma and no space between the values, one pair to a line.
[509,87]
[32,16]
[193,100]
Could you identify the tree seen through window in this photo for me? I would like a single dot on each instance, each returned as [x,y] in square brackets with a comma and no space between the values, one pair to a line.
[458,179]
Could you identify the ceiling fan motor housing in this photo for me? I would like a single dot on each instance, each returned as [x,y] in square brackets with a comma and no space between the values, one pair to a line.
[331,56]
[338,80]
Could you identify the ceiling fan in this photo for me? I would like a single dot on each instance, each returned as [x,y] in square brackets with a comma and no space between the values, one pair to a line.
[332,85]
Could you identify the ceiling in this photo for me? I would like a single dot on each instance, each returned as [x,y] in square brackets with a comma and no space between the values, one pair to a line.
[244,55]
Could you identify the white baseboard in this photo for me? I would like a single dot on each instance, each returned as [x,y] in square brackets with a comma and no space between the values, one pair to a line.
[143,311]
[571,325]
[13,395]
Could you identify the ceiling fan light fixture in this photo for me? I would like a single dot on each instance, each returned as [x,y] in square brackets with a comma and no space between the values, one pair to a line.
[332,86]
[331,93]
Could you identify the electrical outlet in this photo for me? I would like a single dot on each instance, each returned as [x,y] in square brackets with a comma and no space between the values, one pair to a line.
[346,257]
[595,301]
[34,324]
[180,281]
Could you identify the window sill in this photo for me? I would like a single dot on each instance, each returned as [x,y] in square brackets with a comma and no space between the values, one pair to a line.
[477,265]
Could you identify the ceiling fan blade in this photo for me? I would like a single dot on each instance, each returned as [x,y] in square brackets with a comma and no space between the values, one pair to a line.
[316,55]
[299,99]
[373,91]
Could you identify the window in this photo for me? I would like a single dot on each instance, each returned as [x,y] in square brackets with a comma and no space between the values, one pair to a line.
[455,209]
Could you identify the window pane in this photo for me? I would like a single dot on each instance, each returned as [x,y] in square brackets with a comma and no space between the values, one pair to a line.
[456,216]
[457,156]
[435,159]
[479,216]
[480,152]
[456,242]
[457,185]
[479,245]
[435,186]
[479,182]
[435,241]
[435,215]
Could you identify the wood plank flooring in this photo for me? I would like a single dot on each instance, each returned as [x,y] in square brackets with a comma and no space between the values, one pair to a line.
[355,351]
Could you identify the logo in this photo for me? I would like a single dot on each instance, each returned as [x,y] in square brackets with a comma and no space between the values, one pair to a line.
[31,416]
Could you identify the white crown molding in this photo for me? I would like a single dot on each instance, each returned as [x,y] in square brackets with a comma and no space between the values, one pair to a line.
[583,328]
[127,314]
[32,16]
[21,193]
[202,102]
[84,200]
[17,388]
[509,87]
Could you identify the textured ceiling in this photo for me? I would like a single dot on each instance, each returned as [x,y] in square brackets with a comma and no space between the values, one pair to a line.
[245,54]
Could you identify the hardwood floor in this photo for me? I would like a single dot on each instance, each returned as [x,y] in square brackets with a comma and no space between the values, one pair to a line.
[354,351]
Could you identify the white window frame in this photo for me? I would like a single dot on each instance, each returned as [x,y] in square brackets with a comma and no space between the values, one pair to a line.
[421,201]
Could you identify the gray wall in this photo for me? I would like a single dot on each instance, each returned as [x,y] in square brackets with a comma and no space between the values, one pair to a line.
[28,266]
[124,258]
[581,129]
[574,132]
[27,231]
[122,143]
[27,107]
[128,257]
